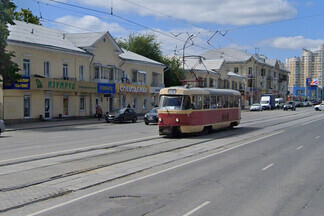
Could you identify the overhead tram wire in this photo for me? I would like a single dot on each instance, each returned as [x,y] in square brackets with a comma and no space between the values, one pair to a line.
[106,13]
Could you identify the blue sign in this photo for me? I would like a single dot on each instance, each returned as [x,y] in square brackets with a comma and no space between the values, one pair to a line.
[105,88]
[22,84]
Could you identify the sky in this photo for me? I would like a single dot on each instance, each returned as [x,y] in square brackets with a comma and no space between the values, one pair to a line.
[277,29]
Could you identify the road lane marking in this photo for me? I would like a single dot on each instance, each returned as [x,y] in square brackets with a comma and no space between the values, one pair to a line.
[196,209]
[267,167]
[151,175]
[299,147]
[78,149]
[317,137]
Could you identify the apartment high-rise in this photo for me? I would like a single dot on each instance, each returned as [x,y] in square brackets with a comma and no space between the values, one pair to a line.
[294,66]
[319,65]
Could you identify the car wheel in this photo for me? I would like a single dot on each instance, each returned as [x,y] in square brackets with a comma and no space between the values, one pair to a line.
[146,122]
[134,119]
[121,120]
[316,109]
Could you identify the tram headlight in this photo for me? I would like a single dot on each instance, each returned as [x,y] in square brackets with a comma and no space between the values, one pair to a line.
[160,119]
[177,120]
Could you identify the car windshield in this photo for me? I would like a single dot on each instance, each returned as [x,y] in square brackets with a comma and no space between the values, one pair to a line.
[264,102]
[176,102]
[256,105]
[154,111]
[121,111]
[290,102]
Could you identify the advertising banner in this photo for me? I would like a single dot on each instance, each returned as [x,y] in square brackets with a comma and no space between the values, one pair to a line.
[105,88]
[132,89]
[22,84]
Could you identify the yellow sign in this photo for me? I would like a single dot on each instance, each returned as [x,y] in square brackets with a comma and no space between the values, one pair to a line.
[132,89]
[62,85]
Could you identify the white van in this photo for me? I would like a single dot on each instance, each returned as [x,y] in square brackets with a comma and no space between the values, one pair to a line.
[279,103]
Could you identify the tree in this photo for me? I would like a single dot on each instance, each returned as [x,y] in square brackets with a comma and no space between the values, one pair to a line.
[8,68]
[146,45]
[26,15]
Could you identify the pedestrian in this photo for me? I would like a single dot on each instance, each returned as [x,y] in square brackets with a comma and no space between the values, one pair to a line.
[128,106]
[99,112]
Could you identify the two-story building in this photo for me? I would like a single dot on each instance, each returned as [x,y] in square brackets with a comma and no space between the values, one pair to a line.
[70,74]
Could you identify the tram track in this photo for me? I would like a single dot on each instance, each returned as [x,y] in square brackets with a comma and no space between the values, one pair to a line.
[168,146]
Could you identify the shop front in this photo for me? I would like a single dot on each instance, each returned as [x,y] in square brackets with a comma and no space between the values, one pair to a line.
[44,98]
[154,93]
[135,96]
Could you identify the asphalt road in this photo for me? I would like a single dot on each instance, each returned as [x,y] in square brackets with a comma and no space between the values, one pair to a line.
[270,165]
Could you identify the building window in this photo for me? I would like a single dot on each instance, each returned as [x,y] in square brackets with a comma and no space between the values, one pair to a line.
[82,103]
[263,72]
[81,72]
[211,82]
[135,103]
[97,72]
[46,69]
[250,70]
[134,78]
[111,74]
[236,70]
[141,77]
[65,71]
[26,67]
[26,106]
[145,103]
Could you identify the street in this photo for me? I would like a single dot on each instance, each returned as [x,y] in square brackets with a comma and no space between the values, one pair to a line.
[271,164]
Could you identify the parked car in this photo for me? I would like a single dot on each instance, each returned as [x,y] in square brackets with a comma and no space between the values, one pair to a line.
[2,126]
[122,115]
[289,105]
[151,117]
[298,104]
[319,107]
[256,107]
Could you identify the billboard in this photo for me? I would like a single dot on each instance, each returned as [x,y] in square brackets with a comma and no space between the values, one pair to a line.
[311,82]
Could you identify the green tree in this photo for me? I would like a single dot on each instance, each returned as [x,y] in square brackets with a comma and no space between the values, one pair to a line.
[147,45]
[26,15]
[8,69]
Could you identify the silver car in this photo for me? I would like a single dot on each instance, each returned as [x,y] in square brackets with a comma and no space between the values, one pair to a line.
[2,126]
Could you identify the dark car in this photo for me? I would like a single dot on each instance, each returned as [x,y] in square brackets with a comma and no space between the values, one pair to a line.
[289,105]
[122,115]
[151,117]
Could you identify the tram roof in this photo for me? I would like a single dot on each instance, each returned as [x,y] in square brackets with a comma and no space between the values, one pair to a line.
[212,91]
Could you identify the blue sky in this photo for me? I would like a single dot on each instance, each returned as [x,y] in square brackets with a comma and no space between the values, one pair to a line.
[275,28]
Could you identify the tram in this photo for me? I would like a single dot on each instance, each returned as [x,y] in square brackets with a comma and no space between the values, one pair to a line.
[193,110]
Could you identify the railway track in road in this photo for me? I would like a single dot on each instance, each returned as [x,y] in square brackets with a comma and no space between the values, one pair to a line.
[81,169]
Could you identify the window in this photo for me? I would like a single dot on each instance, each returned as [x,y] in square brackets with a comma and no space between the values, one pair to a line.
[225,102]
[97,72]
[206,102]
[211,82]
[230,101]
[65,71]
[263,72]
[250,71]
[134,78]
[236,70]
[26,67]
[81,72]
[145,103]
[135,103]
[26,106]
[141,77]
[197,102]
[213,102]
[219,102]
[82,104]
[111,73]
[46,69]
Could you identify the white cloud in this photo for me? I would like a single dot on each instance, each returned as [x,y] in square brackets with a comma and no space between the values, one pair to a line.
[86,24]
[297,42]
[234,12]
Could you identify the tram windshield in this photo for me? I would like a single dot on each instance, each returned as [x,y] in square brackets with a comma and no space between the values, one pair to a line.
[176,102]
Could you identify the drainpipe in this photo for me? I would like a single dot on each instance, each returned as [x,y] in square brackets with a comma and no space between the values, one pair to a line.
[90,78]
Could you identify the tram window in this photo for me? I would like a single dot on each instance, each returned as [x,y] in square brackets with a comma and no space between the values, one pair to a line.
[219,102]
[230,101]
[213,102]
[197,102]
[225,102]
[186,102]
[206,102]
[236,101]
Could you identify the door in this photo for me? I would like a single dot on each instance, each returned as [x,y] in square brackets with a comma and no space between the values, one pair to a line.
[48,108]
[65,106]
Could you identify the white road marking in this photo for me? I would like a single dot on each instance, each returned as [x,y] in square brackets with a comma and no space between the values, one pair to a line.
[267,167]
[299,147]
[151,175]
[312,121]
[317,137]
[196,209]
[75,150]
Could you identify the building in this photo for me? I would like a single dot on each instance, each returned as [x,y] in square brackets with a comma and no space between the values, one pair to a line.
[69,75]
[263,76]
[294,66]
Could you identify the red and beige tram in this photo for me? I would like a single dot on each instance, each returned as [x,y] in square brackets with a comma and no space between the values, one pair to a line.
[192,110]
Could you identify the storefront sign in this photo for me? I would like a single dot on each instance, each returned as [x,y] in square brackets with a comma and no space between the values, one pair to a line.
[132,89]
[106,88]
[62,85]
[22,84]
[155,90]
